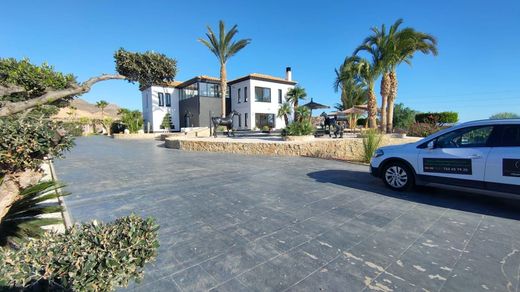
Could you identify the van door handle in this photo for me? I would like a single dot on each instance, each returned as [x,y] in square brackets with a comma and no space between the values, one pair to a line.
[475,156]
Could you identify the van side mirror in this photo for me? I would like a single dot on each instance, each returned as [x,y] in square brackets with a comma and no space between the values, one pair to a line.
[431,145]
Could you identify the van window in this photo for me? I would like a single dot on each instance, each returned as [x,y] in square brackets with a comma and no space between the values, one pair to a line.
[509,136]
[465,138]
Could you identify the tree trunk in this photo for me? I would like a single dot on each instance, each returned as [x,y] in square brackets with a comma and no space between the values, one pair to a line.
[390,116]
[295,107]
[286,120]
[11,108]
[223,87]
[391,101]
[11,185]
[385,91]
[372,109]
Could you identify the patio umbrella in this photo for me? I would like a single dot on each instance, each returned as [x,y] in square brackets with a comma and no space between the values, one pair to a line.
[354,110]
[314,105]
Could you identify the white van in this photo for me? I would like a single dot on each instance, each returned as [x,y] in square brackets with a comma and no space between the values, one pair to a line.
[481,154]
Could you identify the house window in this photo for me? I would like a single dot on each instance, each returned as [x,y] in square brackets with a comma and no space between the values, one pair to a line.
[245,94]
[263,120]
[168,99]
[161,99]
[239,95]
[262,94]
[245,119]
[280,96]
[240,121]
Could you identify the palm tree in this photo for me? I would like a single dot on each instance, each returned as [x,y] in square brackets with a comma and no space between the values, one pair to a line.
[102,104]
[407,42]
[340,106]
[352,91]
[284,111]
[224,48]
[390,49]
[366,73]
[294,95]
[375,45]
[302,113]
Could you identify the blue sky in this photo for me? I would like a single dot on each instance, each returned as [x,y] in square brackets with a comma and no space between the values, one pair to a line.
[477,71]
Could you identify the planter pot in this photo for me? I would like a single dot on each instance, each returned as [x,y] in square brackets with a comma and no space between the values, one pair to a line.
[299,138]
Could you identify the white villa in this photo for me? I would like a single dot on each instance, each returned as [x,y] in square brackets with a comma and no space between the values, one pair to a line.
[257,97]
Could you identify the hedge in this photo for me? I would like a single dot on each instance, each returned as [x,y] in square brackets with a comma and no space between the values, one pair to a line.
[89,257]
[441,117]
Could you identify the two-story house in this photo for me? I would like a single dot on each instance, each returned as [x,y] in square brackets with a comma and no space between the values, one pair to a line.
[257,97]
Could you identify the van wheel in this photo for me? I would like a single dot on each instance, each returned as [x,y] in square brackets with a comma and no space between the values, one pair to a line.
[398,176]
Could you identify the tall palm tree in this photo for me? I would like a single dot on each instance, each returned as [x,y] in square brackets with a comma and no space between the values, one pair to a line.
[223,47]
[404,45]
[284,111]
[102,104]
[294,95]
[366,73]
[375,44]
[389,49]
[352,91]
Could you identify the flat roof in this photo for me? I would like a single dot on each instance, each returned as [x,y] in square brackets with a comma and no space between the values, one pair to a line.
[206,78]
[263,77]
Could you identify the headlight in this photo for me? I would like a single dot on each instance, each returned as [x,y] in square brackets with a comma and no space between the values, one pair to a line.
[378,153]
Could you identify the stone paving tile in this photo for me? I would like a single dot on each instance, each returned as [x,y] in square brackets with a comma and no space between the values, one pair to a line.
[281,272]
[194,279]
[232,285]
[239,259]
[165,284]
[276,223]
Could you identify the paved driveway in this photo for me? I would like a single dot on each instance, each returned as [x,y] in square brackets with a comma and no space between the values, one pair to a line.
[246,223]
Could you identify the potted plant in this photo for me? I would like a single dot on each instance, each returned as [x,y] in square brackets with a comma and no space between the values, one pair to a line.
[266,129]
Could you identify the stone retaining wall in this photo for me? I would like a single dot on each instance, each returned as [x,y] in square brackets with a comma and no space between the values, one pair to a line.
[344,149]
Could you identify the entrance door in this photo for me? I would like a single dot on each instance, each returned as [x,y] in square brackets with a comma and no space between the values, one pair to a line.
[457,157]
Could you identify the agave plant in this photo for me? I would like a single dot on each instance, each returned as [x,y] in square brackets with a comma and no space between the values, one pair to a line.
[24,219]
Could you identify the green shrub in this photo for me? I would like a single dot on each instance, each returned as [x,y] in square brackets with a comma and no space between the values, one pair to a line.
[371,141]
[300,128]
[90,257]
[266,128]
[133,120]
[24,143]
[404,117]
[166,122]
[440,118]
[423,129]
[73,128]
[505,115]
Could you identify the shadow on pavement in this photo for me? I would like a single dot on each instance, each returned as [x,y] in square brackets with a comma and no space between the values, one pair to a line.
[463,201]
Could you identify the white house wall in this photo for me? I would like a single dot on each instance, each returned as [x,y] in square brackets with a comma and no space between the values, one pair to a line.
[156,113]
[147,106]
[242,107]
[251,107]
